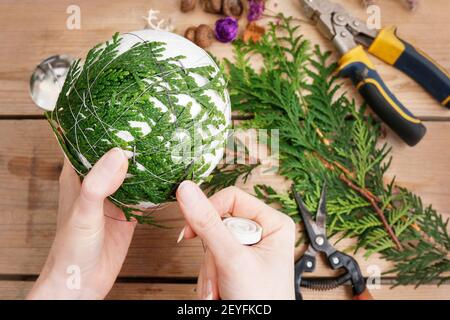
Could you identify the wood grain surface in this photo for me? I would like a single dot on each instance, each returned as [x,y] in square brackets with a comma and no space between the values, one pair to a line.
[32,30]
[15,290]
[30,159]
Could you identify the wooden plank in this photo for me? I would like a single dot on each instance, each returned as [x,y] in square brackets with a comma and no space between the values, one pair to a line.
[147,291]
[34,30]
[428,292]
[30,161]
[16,290]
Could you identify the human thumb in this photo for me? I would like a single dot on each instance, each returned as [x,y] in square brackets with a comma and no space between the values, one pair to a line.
[102,181]
[204,220]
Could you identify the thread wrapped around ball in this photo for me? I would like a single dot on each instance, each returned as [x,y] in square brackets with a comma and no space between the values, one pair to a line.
[159,98]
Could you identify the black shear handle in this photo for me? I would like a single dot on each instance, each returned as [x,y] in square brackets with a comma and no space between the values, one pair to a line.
[360,291]
[300,267]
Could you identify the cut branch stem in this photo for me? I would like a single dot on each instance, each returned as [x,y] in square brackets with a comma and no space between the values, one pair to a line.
[375,206]
[366,194]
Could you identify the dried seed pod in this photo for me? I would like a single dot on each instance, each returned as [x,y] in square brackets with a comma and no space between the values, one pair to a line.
[253,32]
[232,8]
[188,5]
[190,33]
[204,36]
[213,6]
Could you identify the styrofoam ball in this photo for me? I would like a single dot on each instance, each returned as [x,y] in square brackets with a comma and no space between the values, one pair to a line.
[155,95]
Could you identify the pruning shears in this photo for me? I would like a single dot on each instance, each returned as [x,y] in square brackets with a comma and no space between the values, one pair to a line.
[318,242]
[350,36]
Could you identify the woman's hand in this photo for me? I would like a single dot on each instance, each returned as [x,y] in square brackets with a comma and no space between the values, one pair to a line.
[92,238]
[231,270]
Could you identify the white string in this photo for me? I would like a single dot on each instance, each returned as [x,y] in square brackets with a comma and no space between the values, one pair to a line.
[163,74]
[117,119]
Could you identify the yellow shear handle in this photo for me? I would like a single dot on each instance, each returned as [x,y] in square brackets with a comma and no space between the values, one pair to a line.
[356,65]
[415,63]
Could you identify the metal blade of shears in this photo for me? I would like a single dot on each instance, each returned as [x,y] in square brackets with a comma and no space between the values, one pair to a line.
[316,232]
[336,24]
[321,13]
[321,216]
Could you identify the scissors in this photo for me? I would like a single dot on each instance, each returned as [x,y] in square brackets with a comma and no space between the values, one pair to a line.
[318,242]
[350,36]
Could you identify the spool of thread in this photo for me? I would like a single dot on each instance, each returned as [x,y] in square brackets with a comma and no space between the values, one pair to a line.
[246,231]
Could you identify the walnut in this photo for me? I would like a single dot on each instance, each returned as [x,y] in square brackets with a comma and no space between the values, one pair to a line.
[204,36]
[213,6]
[190,33]
[232,8]
[188,5]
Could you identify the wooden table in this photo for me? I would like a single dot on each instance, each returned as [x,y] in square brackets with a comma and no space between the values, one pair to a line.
[157,268]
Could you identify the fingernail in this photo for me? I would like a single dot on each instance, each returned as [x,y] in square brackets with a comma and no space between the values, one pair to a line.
[113,159]
[189,192]
[208,291]
[181,236]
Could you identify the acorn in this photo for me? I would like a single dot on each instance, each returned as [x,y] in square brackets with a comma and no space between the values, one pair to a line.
[188,5]
[232,8]
[204,36]
[213,6]
[190,33]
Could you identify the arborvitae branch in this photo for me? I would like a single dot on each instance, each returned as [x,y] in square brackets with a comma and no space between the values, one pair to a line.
[325,136]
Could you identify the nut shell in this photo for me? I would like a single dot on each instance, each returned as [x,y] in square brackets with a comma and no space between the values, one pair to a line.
[188,5]
[213,6]
[190,33]
[232,8]
[204,36]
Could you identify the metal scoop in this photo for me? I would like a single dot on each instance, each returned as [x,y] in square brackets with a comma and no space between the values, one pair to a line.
[47,80]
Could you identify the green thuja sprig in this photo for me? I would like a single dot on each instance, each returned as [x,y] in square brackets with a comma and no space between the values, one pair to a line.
[227,173]
[324,136]
[103,99]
